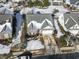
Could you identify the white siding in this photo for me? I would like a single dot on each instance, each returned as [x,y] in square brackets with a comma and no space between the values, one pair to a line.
[23,57]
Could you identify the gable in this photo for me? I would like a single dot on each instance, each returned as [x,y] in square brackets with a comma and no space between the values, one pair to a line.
[1,27]
[6,30]
[46,23]
[70,23]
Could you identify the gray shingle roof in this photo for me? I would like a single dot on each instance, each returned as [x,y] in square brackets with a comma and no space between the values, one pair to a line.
[3,18]
[70,23]
[73,19]
[38,17]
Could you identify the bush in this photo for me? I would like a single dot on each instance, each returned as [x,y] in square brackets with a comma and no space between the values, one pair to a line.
[63,42]
[68,5]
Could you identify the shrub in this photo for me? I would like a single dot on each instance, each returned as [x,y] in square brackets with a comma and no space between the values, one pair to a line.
[63,42]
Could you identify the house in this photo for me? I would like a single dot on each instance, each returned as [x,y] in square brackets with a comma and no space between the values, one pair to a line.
[71,21]
[37,23]
[72,2]
[5,26]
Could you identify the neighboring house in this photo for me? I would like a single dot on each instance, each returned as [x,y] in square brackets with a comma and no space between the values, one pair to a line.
[39,22]
[77,5]
[56,2]
[47,27]
[33,0]
[73,2]
[17,0]
[71,21]
[5,26]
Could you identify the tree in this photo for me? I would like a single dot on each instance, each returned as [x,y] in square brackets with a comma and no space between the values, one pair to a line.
[37,3]
[67,5]
[46,3]
[30,4]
